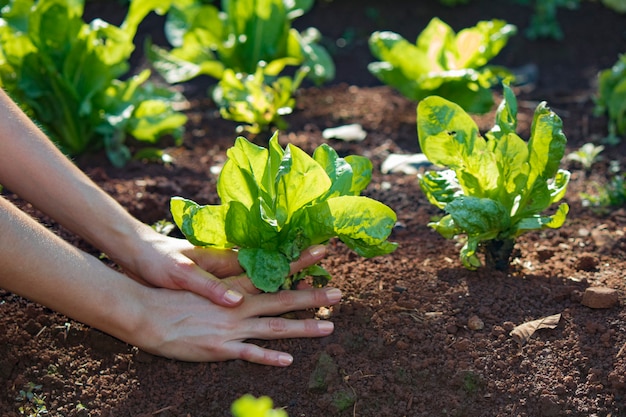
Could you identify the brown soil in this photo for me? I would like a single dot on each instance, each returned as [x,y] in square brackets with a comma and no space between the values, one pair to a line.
[402,344]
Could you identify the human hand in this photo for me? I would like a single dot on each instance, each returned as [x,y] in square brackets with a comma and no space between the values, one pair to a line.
[185,326]
[172,263]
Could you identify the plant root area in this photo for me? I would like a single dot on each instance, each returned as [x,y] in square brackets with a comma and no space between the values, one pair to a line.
[416,334]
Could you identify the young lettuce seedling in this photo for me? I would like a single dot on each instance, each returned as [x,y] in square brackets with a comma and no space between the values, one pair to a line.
[496,186]
[277,202]
[444,63]
[258,100]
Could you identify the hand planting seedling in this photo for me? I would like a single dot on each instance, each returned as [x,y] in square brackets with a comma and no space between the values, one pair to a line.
[443,63]
[277,202]
[496,186]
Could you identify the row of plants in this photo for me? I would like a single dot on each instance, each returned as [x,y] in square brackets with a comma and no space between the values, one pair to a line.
[66,74]
[73,77]
[544,22]
[276,202]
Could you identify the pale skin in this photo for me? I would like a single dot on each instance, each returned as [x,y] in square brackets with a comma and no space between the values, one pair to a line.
[173,299]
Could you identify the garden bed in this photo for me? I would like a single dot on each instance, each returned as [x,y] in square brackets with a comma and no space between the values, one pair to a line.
[402,345]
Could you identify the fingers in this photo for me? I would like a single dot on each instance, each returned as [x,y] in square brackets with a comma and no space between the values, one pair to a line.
[220,262]
[256,354]
[309,257]
[286,301]
[193,278]
[278,328]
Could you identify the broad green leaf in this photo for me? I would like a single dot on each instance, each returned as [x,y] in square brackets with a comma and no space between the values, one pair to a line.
[268,269]
[468,256]
[246,227]
[446,227]
[300,180]
[558,186]
[440,187]
[339,171]
[362,223]
[506,114]
[511,155]
[546,144]
[537,222]
[393,50]
[478,45]
[448,136]
[242,173]
[201,225]
[139,9]
[361,173]
[479,217]
[437,41]
[443,63]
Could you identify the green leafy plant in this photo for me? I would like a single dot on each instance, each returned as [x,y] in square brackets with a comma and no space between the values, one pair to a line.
[255,99]
[497,186]
[277,202]
[617,5]
[32,403]
[250,406]
[613,194]
[586,155]
[452,3]
[611,99]
[544,22]
[65,73]
[453,66]
[243,34]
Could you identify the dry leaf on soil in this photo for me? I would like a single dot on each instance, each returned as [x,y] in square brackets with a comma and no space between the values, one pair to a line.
[524,331]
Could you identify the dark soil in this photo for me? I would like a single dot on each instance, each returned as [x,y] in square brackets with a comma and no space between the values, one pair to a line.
[404,343]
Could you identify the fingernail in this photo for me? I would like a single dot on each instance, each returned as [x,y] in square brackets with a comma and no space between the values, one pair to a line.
[285,359]
[317,250]
[232,296]
[334,295]
[325,327]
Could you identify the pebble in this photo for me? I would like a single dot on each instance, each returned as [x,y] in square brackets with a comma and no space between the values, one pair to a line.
[475,323]
[600,297]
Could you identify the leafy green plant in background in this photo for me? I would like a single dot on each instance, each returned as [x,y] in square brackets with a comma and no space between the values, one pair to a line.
[249,406]
[586,155]
[254,101]
[244,33]
[497,186]
[443,63]
[611,99]
[452,3]
[617,5]
[611,195]
[277,202]
[65,73]
[544,22]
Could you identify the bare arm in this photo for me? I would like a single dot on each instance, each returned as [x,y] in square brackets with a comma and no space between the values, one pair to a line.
[182,325]
[31,166]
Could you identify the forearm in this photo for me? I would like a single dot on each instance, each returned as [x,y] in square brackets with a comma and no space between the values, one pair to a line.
[40,266]
[32,167]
